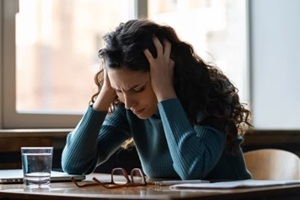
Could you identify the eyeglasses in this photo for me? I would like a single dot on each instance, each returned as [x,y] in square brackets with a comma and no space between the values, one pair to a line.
[119,178]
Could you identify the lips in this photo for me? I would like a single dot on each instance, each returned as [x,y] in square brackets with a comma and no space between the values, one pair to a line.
[137,111]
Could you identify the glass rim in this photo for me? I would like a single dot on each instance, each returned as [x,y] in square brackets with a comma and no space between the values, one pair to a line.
[36,147]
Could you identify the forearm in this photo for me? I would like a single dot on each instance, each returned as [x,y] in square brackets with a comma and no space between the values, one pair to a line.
[94,140]
[80,152]
[104,100]
[194,150]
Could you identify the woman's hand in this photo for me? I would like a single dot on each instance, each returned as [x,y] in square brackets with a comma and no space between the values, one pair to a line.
[106,82]
[106,95]
[161,70]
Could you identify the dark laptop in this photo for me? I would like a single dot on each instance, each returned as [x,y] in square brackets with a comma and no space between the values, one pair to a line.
[16,176]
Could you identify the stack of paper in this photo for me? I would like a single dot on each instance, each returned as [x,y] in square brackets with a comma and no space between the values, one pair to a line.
[235,184]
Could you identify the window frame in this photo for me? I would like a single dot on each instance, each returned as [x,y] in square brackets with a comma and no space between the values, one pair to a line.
[12,119]
[1,74]
[9,117]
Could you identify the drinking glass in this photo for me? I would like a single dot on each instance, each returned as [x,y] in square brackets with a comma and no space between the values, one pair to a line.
[37,165]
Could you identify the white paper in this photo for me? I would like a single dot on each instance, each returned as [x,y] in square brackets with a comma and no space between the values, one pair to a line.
[235,184]
[174,182]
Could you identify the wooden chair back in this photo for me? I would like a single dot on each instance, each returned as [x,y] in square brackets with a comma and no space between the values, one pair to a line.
[273,164]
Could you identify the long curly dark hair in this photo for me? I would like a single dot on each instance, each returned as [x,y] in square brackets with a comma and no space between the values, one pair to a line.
[206,94]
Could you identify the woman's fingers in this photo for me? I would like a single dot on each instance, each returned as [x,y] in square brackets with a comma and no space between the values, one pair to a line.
[163,51]
[167,49]
[159,47]
[148,55]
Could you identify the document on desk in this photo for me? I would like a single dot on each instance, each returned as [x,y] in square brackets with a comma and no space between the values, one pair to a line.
[234,184]
[175,182]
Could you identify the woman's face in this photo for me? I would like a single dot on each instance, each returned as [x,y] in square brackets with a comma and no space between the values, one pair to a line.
[134,90]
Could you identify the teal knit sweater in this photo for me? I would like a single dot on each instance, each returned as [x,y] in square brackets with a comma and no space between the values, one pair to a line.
[167,145]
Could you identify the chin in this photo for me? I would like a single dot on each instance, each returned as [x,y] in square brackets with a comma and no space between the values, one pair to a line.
[143,116]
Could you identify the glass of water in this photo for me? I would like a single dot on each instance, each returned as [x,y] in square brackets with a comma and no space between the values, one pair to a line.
[37,165]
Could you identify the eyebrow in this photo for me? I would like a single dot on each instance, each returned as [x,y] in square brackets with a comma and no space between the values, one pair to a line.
[137,85]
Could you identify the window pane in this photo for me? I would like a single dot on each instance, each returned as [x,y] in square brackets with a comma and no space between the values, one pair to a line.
[216,29]
[56,51]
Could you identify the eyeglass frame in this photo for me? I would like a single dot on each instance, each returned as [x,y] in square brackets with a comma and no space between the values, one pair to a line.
[112,184]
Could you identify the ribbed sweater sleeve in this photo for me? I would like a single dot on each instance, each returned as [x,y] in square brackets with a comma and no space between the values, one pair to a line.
[95,138]
[194,150]
[80,153]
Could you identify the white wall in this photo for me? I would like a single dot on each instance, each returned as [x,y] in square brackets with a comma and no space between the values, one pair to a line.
[275,63]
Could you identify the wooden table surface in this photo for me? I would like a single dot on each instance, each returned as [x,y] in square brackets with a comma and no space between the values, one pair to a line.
[67,190]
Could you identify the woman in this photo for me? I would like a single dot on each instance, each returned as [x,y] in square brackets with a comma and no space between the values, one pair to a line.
[183,115]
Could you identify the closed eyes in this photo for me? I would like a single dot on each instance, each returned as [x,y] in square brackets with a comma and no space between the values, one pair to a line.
[136,90]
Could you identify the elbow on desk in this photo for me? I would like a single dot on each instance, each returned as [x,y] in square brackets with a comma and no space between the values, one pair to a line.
[72,168]
[76,167]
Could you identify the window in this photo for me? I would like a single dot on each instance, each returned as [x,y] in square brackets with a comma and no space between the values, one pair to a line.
[49,50]
[216,29]
[50,58]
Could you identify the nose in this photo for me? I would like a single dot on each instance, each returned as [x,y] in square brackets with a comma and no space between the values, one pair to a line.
[129,101]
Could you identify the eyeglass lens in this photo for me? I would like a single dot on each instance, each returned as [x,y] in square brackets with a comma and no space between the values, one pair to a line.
[137,176]
[119,176]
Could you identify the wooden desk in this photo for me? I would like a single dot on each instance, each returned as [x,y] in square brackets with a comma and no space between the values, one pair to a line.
[68,191]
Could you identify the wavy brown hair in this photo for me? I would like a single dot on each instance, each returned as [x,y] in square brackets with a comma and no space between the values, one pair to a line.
[206,94]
